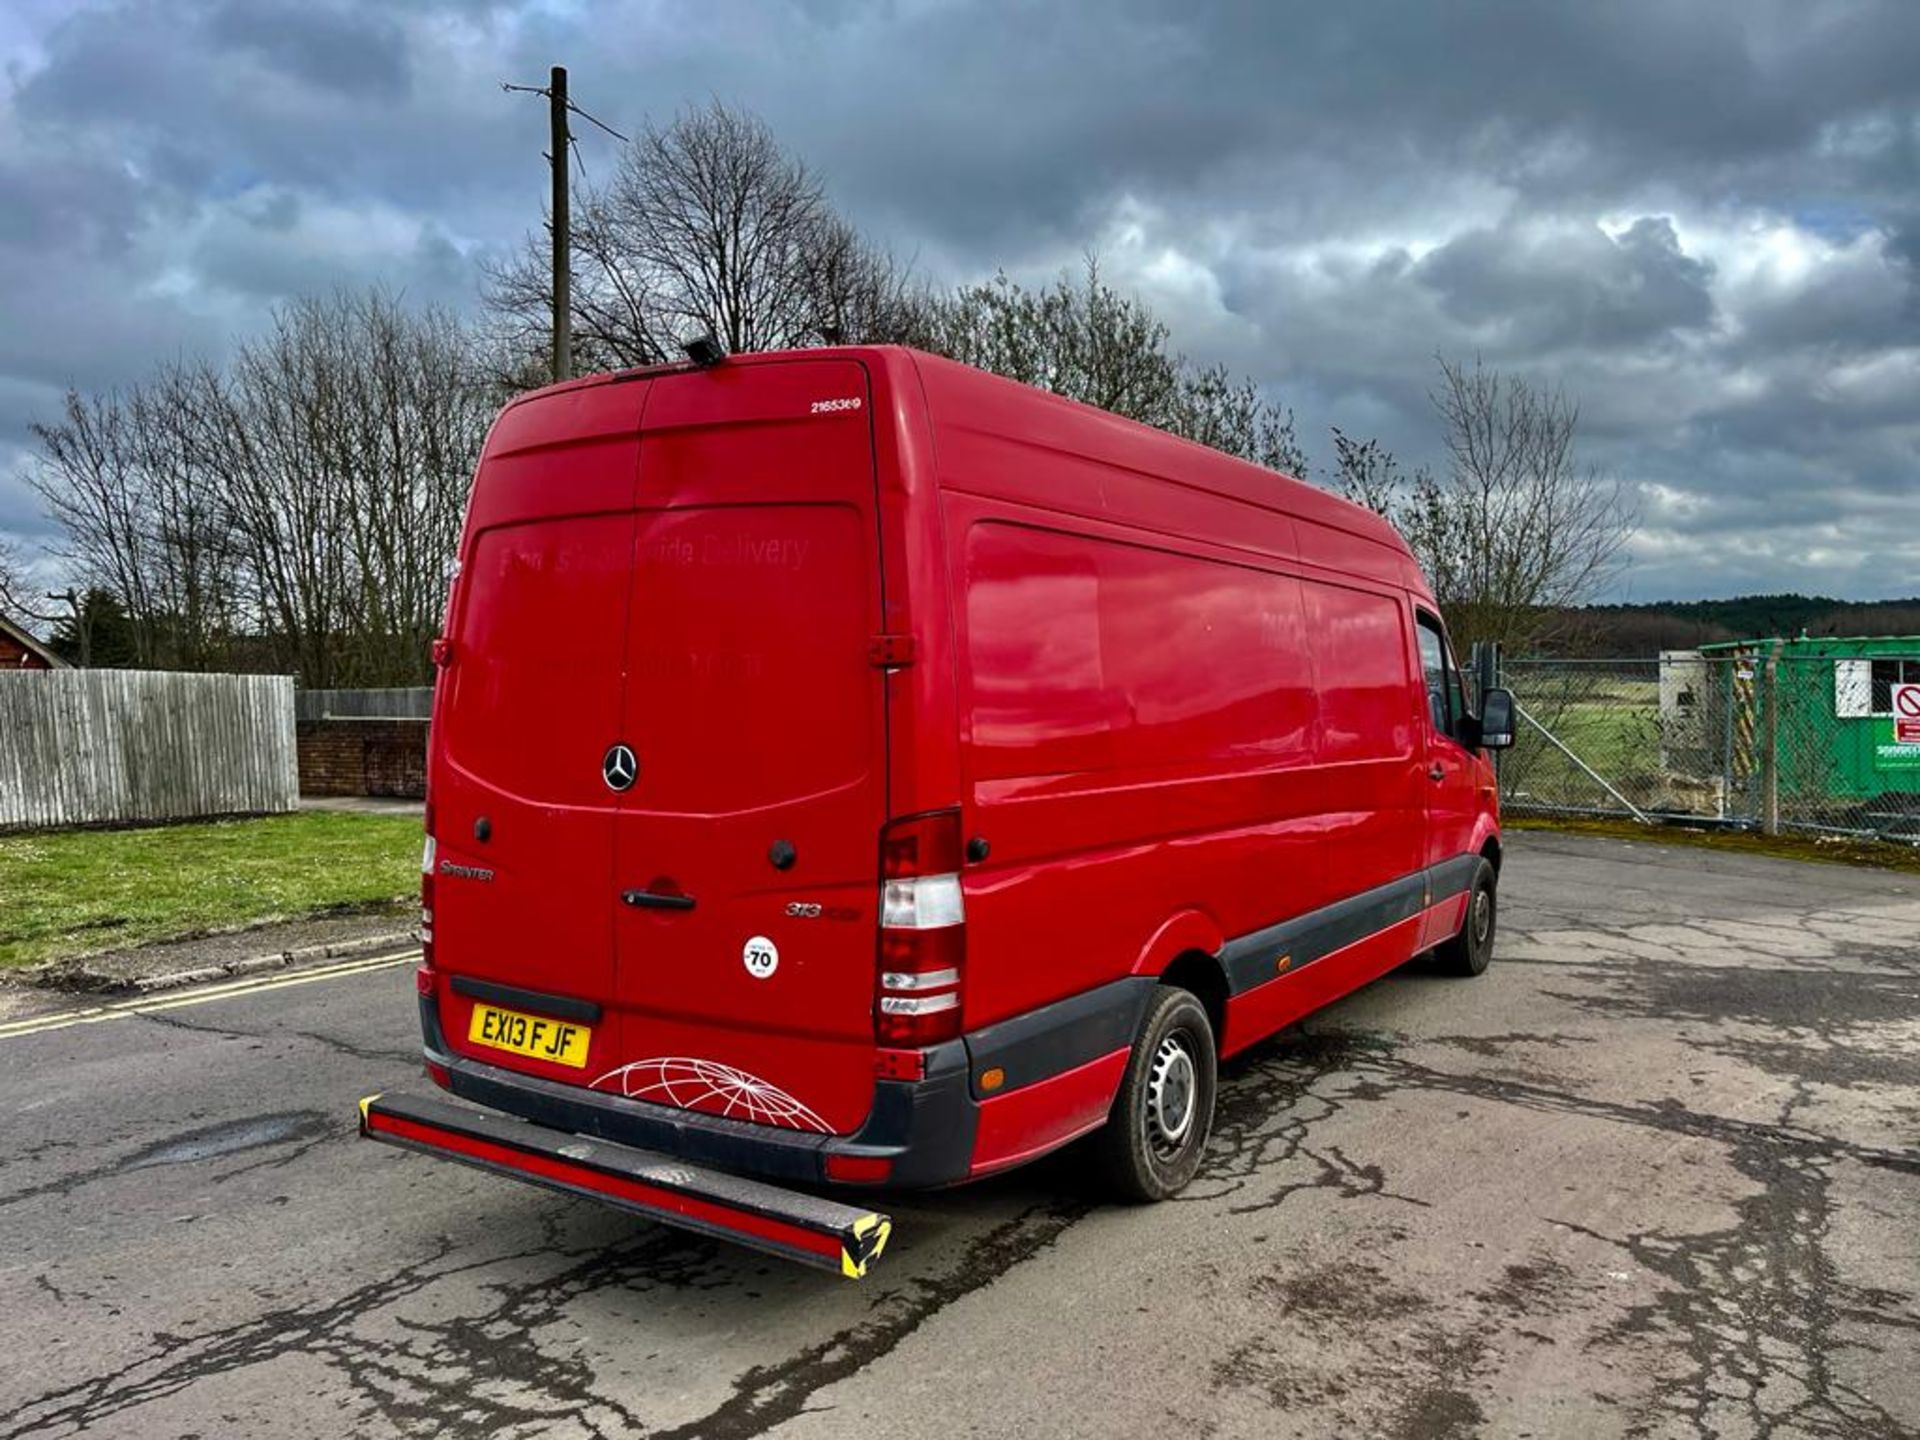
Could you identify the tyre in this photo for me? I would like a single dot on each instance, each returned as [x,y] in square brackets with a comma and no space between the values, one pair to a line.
[1153,1139]
[1468,952]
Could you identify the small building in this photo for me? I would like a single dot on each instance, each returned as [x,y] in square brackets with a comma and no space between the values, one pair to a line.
[1835,731]
[20,651]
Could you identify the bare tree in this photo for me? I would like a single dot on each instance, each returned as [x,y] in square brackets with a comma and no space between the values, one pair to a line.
[1232,415]
[708,226]
[191,582]
[1516,533]
[345,453]
[1078,338]
[1367,473]
[125,474]
[298,511]
[1083,339]
[90,475]
[15,594]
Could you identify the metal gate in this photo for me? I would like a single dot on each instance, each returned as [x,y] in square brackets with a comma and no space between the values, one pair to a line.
[1746,737]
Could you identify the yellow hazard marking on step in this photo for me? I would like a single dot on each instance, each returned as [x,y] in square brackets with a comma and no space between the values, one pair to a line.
[870,1233]
[367,1104]
[226,990]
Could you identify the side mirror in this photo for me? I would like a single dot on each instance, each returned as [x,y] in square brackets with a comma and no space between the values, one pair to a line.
[1496,719]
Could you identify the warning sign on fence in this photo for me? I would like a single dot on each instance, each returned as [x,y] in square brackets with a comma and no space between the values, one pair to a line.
[1906,714]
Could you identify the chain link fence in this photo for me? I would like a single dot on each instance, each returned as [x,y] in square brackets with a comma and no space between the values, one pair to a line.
[1751,738]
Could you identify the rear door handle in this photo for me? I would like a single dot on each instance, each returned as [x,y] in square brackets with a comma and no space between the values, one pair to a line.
[650,900]
[1436,771]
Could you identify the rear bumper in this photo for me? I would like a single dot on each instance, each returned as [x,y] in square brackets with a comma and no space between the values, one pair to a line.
[938,1130]
[925,1129]
[804,1228]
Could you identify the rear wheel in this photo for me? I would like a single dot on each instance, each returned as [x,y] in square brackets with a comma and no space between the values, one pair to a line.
[1468,952]
[1152,1142]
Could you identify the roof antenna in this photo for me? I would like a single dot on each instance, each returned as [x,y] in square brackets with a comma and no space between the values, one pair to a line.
[705,351]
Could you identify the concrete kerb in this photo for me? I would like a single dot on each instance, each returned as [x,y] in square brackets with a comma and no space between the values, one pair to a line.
[75,975]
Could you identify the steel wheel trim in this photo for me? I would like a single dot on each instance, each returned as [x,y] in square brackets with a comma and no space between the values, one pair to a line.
[1482,916]
[1172,1096]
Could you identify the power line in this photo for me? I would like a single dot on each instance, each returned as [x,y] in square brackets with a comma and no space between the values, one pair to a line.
[597,121]
[581,111]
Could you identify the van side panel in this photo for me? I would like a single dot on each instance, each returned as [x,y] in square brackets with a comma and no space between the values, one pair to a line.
[1137,732]
[1367,748]
[1257,1012]
[1106,819]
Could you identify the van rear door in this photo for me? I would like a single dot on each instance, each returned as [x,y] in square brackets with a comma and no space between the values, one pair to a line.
[523,822]
[746,847]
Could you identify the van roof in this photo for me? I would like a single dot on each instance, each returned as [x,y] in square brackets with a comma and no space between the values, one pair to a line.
[1117,440]
[949,384]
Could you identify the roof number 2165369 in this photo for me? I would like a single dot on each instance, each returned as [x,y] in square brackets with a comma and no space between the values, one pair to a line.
[828,407]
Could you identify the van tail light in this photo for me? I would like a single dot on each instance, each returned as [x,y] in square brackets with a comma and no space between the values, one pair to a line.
[426,894]
[923,932]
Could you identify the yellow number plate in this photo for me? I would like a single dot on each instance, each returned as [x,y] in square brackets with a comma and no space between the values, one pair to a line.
[559,1041]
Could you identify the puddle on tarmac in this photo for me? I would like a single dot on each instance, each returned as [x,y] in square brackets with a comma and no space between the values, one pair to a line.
[231,1138]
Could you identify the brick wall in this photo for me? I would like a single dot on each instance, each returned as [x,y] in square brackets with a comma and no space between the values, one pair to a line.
[363,757]
[15,656]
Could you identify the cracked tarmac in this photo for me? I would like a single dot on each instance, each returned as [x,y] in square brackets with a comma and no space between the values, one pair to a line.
[1656,1174]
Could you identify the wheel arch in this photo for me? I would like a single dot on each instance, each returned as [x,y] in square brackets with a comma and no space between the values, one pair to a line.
[1201,974]
[1184,931]
[1185,951]
[1490,848]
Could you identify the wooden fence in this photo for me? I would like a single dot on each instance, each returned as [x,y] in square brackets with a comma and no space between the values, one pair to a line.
[86,747]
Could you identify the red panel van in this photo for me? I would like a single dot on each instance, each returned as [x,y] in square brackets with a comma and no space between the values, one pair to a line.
[851,768]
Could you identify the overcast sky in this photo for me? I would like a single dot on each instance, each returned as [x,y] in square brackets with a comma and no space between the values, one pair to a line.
[1702,218]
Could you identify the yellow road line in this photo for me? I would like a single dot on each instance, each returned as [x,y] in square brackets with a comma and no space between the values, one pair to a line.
[233,989]
[212,991]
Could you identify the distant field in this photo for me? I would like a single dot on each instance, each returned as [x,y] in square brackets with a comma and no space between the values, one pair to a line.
[1611,723]
[80,892]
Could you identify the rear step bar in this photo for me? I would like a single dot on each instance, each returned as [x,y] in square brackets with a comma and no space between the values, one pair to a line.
[787,1223]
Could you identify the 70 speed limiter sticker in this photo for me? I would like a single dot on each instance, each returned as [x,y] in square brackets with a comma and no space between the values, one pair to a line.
[761,957]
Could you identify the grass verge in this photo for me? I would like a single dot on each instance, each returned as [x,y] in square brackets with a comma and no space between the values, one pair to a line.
[73,893]
[1832,849]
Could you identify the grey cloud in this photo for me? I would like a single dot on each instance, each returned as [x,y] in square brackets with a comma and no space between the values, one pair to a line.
[1865,300]
[1575,286]
[202,99]
[1334,108]
[61,330]
[1321,196]
[357,54]
[275,245]
[84,205]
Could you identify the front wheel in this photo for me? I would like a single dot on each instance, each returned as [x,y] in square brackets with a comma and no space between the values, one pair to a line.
[1153,1139]
[1468,952]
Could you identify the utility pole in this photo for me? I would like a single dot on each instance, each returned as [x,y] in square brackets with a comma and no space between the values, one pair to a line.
[559,146]
[562,227]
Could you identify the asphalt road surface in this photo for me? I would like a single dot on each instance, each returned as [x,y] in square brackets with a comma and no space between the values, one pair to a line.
[1654,1174]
